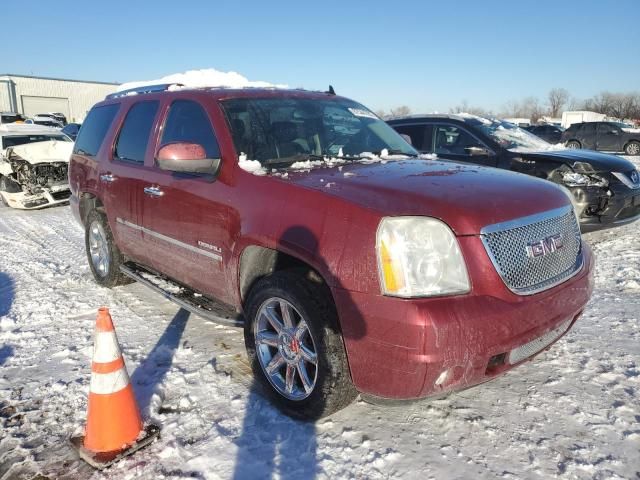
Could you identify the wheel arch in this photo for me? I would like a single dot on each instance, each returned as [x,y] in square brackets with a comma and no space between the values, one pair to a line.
[629,142]
[87,202]
[257,261]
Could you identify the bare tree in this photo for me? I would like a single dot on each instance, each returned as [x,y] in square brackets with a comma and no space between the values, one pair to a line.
[464,107]
[527,108]
[400,111]
[558,97]
[381,113]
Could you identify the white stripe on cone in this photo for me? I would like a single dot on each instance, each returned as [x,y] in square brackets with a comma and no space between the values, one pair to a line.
[106,348]
[106,383]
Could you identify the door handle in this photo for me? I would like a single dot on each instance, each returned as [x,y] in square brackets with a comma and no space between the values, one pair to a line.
[108,178]
[153,191]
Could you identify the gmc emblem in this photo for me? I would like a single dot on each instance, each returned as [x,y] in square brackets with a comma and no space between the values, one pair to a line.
[545,246]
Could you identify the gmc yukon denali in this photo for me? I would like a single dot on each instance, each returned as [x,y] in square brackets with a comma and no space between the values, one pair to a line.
[354,264]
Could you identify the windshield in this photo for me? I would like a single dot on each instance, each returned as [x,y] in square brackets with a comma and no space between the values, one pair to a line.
[15,140]
[281,131]
[510,136]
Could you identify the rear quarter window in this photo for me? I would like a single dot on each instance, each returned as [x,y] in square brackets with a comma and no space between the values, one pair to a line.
[94,129]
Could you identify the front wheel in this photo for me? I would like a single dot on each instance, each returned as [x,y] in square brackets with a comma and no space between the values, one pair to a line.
[574,145]
[295,347]
[102,252]
[632,148]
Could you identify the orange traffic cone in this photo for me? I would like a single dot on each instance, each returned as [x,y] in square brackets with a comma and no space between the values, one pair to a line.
[114,426]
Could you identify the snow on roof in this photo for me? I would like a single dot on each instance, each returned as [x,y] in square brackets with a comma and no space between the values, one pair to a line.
[26,128]
[208,77]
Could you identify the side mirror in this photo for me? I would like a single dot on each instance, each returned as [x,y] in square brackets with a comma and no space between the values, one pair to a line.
[478,151]
[186,157]
[407,138]
[613,132]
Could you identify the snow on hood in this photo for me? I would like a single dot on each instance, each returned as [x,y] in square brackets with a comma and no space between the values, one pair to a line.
[208,77]
[43,152]
[256,168]
[631,130]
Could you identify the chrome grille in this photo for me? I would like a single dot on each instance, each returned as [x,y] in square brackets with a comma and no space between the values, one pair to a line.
[508,244]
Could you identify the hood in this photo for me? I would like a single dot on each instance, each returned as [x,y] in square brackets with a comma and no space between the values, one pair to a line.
[466,197]
[43,152]
[601,162]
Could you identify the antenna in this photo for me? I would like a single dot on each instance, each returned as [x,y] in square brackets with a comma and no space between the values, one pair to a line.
[331,91]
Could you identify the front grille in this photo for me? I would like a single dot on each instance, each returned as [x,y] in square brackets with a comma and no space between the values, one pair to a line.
[509,246]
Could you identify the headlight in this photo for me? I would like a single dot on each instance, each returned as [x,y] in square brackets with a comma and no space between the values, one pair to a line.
[419,257]
[581,180]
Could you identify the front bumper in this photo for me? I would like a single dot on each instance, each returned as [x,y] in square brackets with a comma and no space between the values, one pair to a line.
[621,208]
[407,349]
[46,198]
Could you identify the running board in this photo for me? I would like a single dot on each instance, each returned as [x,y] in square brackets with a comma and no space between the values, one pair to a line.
[191,301]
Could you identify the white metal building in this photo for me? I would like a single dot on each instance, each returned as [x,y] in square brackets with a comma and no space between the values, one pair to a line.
[32,95]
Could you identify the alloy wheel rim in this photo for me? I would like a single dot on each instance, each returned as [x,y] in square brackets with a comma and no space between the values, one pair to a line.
[99,249]
[285,349]
[634,149]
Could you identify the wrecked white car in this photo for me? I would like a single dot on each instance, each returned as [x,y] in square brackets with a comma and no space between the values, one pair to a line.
[33,167]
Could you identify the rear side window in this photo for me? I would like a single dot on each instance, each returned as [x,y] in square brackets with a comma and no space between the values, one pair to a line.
[94,129]
[588,129]
[134,135]
[421,135]
[188,122]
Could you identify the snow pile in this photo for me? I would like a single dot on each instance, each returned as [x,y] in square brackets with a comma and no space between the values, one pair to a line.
[208,77]
[486,121]
[251,166]
[631,130]
[255,167]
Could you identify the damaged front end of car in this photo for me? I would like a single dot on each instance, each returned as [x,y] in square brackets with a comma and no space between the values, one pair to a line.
[35,175]
[600,198]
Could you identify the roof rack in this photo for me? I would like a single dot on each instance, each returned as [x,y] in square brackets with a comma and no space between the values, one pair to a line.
[163,87]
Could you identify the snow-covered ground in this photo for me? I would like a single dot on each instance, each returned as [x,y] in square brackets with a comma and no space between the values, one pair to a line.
[574,412]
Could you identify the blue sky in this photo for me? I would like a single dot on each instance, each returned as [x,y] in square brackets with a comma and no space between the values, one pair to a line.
[428,55]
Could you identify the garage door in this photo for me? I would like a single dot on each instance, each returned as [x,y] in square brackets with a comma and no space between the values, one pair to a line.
[33,105]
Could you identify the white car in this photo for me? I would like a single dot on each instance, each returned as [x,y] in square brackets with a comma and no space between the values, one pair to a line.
[33,166]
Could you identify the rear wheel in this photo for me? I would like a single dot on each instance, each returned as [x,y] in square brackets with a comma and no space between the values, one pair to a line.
[574,144]
[295,347]
[103,254]
[632,148]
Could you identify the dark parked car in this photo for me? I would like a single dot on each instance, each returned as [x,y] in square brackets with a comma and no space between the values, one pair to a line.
[71,130]
[56,116]
[549,133]
[605,189]
[349,270]
[607,136]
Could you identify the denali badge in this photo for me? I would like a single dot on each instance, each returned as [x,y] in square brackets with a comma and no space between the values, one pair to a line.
[545,246]
[635,177]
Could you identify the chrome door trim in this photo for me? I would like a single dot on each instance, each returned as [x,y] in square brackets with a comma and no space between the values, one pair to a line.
[170,240]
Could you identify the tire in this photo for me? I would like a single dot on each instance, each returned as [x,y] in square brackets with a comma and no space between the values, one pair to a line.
[632,148]
[102,253]
[332,388]
[574,144]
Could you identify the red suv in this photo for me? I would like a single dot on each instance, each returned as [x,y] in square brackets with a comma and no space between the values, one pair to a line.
[353,263]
